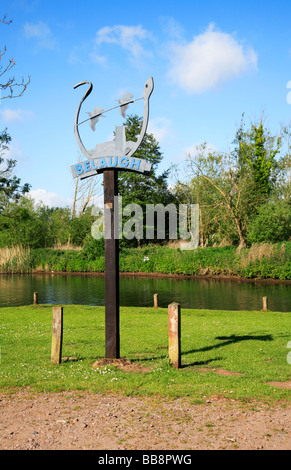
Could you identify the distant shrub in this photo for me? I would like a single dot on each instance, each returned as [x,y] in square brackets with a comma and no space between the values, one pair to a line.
[92,248]
[272,224]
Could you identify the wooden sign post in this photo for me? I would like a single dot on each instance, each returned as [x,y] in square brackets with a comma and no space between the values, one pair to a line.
[109,158]
[112,342]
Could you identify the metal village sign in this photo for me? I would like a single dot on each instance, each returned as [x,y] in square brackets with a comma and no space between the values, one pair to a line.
[109,158]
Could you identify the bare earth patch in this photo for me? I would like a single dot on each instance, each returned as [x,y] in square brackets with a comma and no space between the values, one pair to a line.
[286,385]
[72,420]
[226,373]
[122,364]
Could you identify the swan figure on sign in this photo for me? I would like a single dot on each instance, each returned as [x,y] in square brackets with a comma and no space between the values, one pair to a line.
[119,146]
[94,117]
[124,103]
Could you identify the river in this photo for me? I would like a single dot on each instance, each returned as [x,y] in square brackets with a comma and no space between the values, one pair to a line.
[215,294]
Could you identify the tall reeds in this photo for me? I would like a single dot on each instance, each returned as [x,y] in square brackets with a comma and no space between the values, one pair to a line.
[15,259]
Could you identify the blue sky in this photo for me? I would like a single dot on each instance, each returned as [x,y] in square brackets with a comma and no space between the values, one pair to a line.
[211,61]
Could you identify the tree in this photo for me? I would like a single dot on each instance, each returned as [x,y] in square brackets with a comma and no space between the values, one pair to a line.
[10,188]
[257,150]
[237,183]
[272,224]
[10,85]
[80,227]
[199,191]
[85,192]
[140,189]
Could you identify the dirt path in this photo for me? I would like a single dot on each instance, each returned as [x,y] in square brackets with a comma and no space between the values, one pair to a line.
[88,421]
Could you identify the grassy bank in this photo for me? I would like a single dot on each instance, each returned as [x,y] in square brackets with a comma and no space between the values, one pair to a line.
[229,354]
[260,261]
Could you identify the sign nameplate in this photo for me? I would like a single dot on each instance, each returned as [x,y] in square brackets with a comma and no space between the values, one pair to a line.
[94,166]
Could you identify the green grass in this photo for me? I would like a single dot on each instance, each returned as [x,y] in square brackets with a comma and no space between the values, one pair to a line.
[253,344]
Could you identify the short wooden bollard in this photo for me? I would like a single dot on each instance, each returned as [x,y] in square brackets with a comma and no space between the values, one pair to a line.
[156,300]
[265,304]
[57,336]
[174,318]
[35,298]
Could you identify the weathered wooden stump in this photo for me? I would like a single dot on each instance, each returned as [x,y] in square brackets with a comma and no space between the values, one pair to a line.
[265,304]
[57,336]
[156,300]
[174,318]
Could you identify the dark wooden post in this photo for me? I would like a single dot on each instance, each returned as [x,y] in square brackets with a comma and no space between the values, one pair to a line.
[174,313]
[112,340]
[57,336]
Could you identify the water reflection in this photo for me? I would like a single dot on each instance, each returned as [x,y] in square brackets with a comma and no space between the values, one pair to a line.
[135,291]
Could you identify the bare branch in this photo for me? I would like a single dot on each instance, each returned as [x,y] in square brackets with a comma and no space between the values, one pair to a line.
[4,20]
[12,88]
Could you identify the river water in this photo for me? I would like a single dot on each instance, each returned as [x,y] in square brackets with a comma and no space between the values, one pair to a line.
[17,289]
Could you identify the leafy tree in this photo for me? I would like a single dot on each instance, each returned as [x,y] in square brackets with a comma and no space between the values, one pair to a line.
[80,227]
[140,189]
[272,224]
[235,184]
[18,223]
[199,191]
[10,187]
[256,151]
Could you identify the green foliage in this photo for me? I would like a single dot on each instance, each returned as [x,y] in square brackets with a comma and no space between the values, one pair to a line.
[271,224]
[259,261]
[92,248]
[80,227]
[256,152]
[10,188]
[140,189]
[22,223]
[231,187]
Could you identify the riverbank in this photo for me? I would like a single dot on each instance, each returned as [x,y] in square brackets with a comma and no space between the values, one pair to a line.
[257,262]
[220,277]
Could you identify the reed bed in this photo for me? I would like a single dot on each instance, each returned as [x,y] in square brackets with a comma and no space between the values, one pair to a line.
[263,261]
[15,259]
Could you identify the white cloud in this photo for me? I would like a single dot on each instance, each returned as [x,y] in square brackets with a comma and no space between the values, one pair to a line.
[97,59]
[50,199]
[210,60]
[128,37]
[14,115]
[172,28]
[41,32]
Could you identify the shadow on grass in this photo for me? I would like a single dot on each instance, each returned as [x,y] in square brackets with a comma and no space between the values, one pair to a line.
[201,363]
[226,340]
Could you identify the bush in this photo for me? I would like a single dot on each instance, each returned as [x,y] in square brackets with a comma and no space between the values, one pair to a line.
[272,224]
[92,248]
